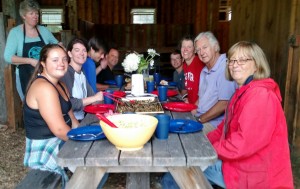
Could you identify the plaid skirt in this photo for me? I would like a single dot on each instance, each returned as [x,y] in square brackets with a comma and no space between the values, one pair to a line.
[42,154]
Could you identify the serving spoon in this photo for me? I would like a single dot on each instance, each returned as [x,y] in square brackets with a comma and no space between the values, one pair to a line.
[103,118]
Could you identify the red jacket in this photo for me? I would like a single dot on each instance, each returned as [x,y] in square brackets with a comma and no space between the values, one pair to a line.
[255,149]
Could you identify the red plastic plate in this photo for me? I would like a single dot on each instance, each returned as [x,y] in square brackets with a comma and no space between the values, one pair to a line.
[179,106]
[119,94]
[99,108]
[169,93]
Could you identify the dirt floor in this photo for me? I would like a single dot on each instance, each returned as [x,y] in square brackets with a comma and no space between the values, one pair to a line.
[12,170]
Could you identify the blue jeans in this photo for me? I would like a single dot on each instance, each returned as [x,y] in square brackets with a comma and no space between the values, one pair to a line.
[103,181]
[213,174]
[168,182]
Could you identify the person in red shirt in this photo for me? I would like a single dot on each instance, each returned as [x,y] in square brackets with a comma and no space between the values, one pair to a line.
[192,67]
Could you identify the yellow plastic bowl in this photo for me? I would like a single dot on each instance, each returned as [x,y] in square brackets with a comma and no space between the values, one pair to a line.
[134,130]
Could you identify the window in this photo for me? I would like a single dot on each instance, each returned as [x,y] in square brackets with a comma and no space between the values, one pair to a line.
[225,10]
[52,19]
[143,16]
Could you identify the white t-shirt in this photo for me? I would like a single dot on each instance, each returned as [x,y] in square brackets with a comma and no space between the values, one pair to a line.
[79,91]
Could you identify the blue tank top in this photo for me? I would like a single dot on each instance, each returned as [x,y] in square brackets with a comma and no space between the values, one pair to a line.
[35,125]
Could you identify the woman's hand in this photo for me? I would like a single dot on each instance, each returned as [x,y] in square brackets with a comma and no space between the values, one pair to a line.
[109,113]
[33,62]
[98,96]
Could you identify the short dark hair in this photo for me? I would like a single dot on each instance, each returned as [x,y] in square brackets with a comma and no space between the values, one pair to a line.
[97,44]
[75,41]
[176,51]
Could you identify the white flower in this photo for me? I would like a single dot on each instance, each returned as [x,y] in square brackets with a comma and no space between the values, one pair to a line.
[152,52]
[131,62]
[137,62]
[151,63]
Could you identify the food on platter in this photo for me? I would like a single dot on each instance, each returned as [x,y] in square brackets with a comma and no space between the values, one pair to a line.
[163,82]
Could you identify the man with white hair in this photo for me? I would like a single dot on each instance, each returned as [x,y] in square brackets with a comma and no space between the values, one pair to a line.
[215,90]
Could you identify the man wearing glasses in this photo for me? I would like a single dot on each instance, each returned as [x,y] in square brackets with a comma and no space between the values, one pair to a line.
[215,90]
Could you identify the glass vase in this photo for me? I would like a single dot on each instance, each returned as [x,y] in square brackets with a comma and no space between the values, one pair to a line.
[145,73]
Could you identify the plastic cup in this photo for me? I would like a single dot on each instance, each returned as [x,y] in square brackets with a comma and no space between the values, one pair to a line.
[151,78]
[162,129]
[162,93]
[119,80]
[156,77]
[150,86]
[106,99]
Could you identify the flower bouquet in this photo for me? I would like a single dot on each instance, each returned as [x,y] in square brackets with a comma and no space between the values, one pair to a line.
[137,62]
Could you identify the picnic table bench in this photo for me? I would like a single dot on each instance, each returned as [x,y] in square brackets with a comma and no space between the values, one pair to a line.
[39,179]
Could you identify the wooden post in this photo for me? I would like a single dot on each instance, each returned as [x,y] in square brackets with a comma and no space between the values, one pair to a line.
[201,15]
[11,104]
[14,104]
[3,115]
[292,94]
[296,122]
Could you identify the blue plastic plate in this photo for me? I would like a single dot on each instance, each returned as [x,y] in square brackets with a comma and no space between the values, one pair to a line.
[184,126]
[172,83]
[86,133]
[110,82]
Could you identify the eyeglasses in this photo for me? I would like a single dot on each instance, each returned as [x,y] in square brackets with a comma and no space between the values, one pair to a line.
[239,62]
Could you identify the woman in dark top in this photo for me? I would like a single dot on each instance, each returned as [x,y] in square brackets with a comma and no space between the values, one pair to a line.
[47,111]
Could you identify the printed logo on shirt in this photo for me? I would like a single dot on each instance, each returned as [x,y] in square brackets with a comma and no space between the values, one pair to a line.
[189,76]
[34,52]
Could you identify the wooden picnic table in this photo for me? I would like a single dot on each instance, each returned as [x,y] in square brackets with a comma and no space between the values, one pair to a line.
[185,156]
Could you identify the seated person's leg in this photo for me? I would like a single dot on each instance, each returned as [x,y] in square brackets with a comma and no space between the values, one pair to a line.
[103,181]
[214,174]
[168,182]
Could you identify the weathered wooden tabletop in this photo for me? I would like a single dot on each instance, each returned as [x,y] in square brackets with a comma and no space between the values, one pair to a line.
[183,155]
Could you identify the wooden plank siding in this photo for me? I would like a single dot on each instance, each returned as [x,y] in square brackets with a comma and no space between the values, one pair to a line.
[118,11]
[138,37]
[267,23]
[292,93]
[174,20]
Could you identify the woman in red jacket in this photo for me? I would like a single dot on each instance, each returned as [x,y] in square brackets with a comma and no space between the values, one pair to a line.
[252,140]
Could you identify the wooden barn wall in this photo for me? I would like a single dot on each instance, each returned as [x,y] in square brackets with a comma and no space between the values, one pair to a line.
[266,23]
[52,3]
[138,37]
[118,11]
[292,93]
[201,15]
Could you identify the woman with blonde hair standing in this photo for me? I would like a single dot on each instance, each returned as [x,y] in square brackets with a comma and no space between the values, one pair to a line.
[24,43]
